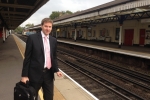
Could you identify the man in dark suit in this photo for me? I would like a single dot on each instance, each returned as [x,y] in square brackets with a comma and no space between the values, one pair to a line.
[40,61]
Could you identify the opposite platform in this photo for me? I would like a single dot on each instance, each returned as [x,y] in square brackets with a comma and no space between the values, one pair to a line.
[141,52]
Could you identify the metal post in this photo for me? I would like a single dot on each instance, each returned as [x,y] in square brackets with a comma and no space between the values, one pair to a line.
[10,31]
[6,33]
[121,20]
[120,33]
[75,34]
[3,35]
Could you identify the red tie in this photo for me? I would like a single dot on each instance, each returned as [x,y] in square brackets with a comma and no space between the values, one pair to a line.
[47,53]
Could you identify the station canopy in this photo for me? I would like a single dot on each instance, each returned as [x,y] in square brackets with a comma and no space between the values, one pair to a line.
[15,12]
[110,12]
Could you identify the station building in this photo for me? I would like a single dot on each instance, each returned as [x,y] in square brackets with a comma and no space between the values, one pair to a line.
[125,22]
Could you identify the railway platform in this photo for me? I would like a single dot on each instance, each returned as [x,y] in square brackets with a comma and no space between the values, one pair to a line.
[11,59]
[136,51]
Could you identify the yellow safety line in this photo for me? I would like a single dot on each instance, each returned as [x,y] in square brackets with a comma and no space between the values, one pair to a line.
[41,94]
[18,47]
[40,91]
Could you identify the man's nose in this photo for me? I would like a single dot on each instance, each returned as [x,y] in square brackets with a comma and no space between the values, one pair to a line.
[47,28]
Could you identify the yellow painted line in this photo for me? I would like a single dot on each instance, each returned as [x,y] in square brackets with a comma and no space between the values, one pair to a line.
[41,94]
[18,45]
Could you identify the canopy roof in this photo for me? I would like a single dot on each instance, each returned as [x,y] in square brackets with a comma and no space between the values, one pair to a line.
[15,12]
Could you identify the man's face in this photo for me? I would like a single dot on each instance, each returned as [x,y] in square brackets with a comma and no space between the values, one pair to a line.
[46,28]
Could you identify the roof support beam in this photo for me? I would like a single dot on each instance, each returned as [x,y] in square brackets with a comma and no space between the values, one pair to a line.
[14,22]
[147,14]
[11,17]
[16,6]
[8,12]
[15,19]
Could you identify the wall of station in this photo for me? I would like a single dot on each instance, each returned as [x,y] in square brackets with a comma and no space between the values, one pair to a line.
[134,32]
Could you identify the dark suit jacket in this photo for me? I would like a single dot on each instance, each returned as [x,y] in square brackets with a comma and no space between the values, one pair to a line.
[33,64]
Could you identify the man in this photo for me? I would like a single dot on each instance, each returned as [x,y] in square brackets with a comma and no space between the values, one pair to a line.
[40,61]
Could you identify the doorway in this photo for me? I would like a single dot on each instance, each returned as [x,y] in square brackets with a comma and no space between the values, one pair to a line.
[142,37]
[128,40]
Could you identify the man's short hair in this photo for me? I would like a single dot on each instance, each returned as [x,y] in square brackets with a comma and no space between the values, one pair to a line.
[45,20]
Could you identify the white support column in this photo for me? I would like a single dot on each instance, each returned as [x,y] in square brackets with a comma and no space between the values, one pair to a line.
[3,34]
[6,33]
[10,31]
[75,34]
[120,35]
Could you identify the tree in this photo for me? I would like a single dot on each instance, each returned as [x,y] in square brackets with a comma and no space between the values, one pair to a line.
[19,29]
[69,12]
[29,25]
[57,14]
[77,11]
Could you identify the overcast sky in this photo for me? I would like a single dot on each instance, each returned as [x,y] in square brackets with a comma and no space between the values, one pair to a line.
[62,5]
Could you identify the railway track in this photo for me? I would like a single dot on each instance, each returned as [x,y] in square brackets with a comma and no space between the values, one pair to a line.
[138,76]
[22,37]
[139,89]
[88,82]
[104,86]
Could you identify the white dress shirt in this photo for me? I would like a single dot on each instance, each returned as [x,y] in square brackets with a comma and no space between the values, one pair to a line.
[43,36]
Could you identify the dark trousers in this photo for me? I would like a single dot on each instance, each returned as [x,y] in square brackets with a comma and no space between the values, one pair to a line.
[47,84]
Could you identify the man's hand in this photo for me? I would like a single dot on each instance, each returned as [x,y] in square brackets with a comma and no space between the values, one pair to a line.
[24,79]
[59,74]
